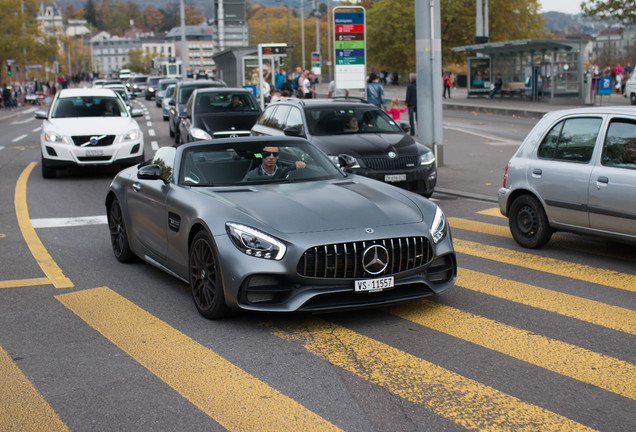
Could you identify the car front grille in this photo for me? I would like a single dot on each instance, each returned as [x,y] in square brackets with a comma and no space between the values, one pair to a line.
[345,260]
[388,164]
[101,140]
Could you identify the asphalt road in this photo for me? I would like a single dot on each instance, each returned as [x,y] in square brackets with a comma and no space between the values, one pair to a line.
[526,341]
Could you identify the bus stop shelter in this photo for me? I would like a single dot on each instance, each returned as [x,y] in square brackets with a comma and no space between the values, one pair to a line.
[540,68]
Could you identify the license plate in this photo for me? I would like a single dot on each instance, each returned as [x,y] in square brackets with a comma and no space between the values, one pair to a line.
[395,177]
[373,285]
[94,153]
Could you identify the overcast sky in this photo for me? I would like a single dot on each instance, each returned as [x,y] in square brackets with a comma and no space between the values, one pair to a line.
[565,6]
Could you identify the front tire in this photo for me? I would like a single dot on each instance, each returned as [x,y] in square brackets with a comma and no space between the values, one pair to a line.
[205,278]
[528,222]
[118,234]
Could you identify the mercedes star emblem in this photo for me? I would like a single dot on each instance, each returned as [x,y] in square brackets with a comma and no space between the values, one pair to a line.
[375,259]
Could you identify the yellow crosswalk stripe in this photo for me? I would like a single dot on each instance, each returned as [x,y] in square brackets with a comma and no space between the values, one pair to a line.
[605,372]
[24,282]
[613,317]
[22,407]
[495,212]
[504,231]
[235,399]
[464,401]
[548,265]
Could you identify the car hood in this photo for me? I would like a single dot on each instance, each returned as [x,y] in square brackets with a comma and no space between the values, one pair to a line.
[92,125]
[320,206]
[368,144]
[226,121]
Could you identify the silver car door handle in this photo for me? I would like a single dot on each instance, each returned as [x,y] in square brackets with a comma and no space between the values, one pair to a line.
[537,171]
[136,187]
[601,180]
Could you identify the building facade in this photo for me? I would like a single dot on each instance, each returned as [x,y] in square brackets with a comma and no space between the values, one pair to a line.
[110,54]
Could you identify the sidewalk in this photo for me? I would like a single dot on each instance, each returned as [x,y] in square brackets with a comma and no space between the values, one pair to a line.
[499,105]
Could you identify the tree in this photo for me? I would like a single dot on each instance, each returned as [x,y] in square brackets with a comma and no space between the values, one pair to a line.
[620,11]
[91,16]
[153,19]
[139,61]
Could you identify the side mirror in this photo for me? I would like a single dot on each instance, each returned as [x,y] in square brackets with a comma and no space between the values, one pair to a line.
[346,161]
[150,172]
[405,127]
[137,112]
[40,115]
[292,131]
[171,102]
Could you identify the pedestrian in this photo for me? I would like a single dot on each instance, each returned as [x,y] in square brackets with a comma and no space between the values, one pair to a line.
[278,79]
[448,83]
[396,110]
[375,92]
[288,84]
[308,92]
[411,101]
[333,91]
[497,86]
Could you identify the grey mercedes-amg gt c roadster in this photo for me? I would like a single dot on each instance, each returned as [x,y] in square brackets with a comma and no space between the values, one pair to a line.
[272,224]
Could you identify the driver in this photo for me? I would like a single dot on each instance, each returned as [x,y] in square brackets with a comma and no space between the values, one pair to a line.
[270,168]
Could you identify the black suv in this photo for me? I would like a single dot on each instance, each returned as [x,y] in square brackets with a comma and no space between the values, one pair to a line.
[152,84]
[179,99]
[361,137]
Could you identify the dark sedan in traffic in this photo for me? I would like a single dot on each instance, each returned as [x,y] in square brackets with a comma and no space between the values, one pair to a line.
[218,113]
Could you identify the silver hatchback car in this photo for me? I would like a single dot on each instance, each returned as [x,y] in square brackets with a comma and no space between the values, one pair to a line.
[575,171]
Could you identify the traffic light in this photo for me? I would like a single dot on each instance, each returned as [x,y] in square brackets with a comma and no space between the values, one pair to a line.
[9,72]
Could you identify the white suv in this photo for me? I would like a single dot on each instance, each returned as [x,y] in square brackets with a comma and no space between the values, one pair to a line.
[89,126]
[630,88]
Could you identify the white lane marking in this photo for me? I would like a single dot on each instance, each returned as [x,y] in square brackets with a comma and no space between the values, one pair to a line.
[491,139]
[154,145]
[68,222]
[149,124]
[151,132]
[1,148]
[21,137]
[37,129]
[15,122]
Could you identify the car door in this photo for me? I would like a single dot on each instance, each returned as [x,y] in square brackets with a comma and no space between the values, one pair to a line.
[560,173]
[147,206]
[612,188]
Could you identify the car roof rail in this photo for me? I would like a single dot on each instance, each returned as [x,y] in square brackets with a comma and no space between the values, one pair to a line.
[350,98]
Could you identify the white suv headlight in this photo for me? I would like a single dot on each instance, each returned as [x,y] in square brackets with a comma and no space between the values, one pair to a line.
[132,135]
[439,228]
[255,243]
[55,138]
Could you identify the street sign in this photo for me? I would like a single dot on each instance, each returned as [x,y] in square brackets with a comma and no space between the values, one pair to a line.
[350,47]
[10,61]
[604,85]
[34,66]
[315,63]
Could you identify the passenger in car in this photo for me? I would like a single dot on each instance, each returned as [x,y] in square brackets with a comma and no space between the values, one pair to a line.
[270,167]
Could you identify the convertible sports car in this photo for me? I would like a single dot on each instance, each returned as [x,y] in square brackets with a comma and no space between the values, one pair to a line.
[308,238]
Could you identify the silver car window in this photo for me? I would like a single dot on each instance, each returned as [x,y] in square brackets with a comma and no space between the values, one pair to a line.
[571,140]
[619,148]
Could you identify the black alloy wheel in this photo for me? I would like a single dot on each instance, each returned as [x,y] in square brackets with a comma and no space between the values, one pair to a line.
[528,222]
[118,235]
[205,279]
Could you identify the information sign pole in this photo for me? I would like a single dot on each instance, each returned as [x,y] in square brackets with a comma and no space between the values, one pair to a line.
[350,47]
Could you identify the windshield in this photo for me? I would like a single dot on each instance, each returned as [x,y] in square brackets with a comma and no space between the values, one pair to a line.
[341,121]
[185,92]
[89,106]
[245,162]
[224,101]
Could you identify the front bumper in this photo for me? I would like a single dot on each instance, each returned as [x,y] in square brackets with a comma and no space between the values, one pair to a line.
[70,155]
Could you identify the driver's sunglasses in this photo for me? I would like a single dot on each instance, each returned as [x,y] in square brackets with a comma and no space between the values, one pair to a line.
[267,154]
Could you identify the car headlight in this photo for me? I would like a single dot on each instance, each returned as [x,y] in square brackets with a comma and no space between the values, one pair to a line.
[439,228]
[427,158]
[55,138]
[132,135]
[150,89]
[255,243]
[200,134]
